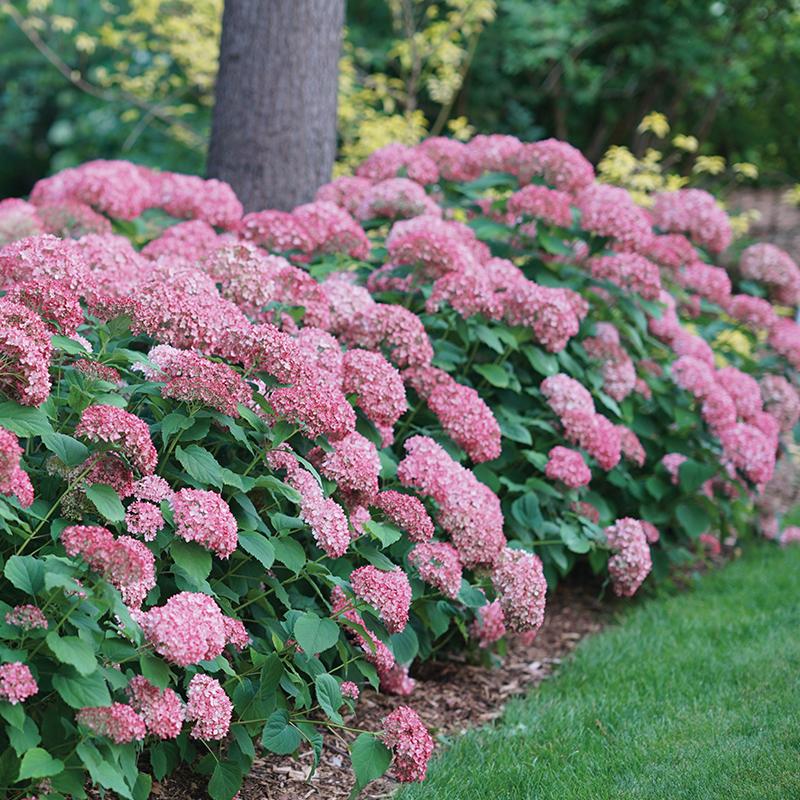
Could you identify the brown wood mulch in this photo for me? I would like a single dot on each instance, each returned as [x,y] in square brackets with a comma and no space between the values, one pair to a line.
[451,696]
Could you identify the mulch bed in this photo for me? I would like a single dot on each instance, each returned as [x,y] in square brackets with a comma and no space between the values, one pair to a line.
[451,696]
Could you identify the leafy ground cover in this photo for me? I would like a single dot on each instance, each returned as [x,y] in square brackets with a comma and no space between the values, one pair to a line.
[694,696]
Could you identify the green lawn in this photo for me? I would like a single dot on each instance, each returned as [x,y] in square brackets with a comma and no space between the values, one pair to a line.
[693,696]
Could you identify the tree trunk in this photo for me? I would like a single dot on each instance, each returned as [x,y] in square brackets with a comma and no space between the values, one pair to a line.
[273,135]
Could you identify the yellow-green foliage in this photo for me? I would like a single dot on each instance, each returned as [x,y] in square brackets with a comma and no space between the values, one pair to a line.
[671,164]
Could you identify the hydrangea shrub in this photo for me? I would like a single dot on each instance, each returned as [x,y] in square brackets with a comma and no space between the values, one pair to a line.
[252,463]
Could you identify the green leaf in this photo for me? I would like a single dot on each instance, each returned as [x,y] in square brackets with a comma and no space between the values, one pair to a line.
[200,464]
[24,420]
[693,475]
[26,573]
[471,596]
[543,363]
[106,501]
[370,758]
[290,553]
[329,696]
[69,450]
[74,651]
[102,771]
[386,534]
[38,763]
[173,423]
[315,634]
[275,485]
[278,735]
[67,345]
[494,374]
[573,539]
[259,547]
[155,670]
[81,691]
[226,781]
[693,518]
[194,560]
[405,645]
[23,739]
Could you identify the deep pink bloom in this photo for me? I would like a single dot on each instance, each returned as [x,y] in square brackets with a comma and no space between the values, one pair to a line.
[354,465]
[407,512]
[324,516]
[489,624]
[54,303]
[610,211]
[567,466]
[389,592]
[671,463]
[518,579]
[25,352]
[103,423]
[187,629]
[204,517]
[349,689]
[378,386]
[144,519]
[119,722]
[468,510]
[14,481]
[208,707]
[696,213]
[438,564]
[749,451]
[630,563]
[161,709]
[375,651]
[409,740]
[559,163]
[16,683]
[27,616]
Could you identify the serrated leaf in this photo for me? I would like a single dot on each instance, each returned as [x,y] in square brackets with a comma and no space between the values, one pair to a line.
[200,464]
[385,534]
[193,559]
[315,634]
[73,651]
[258,546]
[106,501]
[81,691]
[290,553]
[225,781]
[329,696]
[494,374]
[370,758]
[155,670]
[38,763]
[278,735]
[68,449]
[24,420]
[26,573]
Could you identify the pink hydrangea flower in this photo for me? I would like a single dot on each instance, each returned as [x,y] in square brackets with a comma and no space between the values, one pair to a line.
[567,466]
[389,592]
[204,517]
[161,709]
[468,510]
[354,464]
[790,535]
[630,563]
[102,423]
[749,451]
[710,544]
[25,352]
[119,722]
[773,267]
[781,400]
[144,519]
[349,689]
[671,463]
[438,564]
[489,624]
[410,742]
[209,708]
[378,386]
[27,616]
[518,579]
[375,651]
[696,213]
[14,481]
[16,682]
[559,163]
[397,681]
[187,629]
[407,512]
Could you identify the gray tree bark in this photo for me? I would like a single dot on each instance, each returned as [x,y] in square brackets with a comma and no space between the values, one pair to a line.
[273,134]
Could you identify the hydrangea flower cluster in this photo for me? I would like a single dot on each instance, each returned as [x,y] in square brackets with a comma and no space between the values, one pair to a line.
[208,707]
[695,213]
[16,682]
[119,722]
[204,517]
[27,617]
[102,423]
[407,512]
[438,564]
[124,562]
[630,563]
[408,739]
[162,710]
[518,579]
[389,592]
[468,510]
[14,481]
[567,466]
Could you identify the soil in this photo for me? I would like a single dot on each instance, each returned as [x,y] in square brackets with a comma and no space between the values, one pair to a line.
[451,696]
